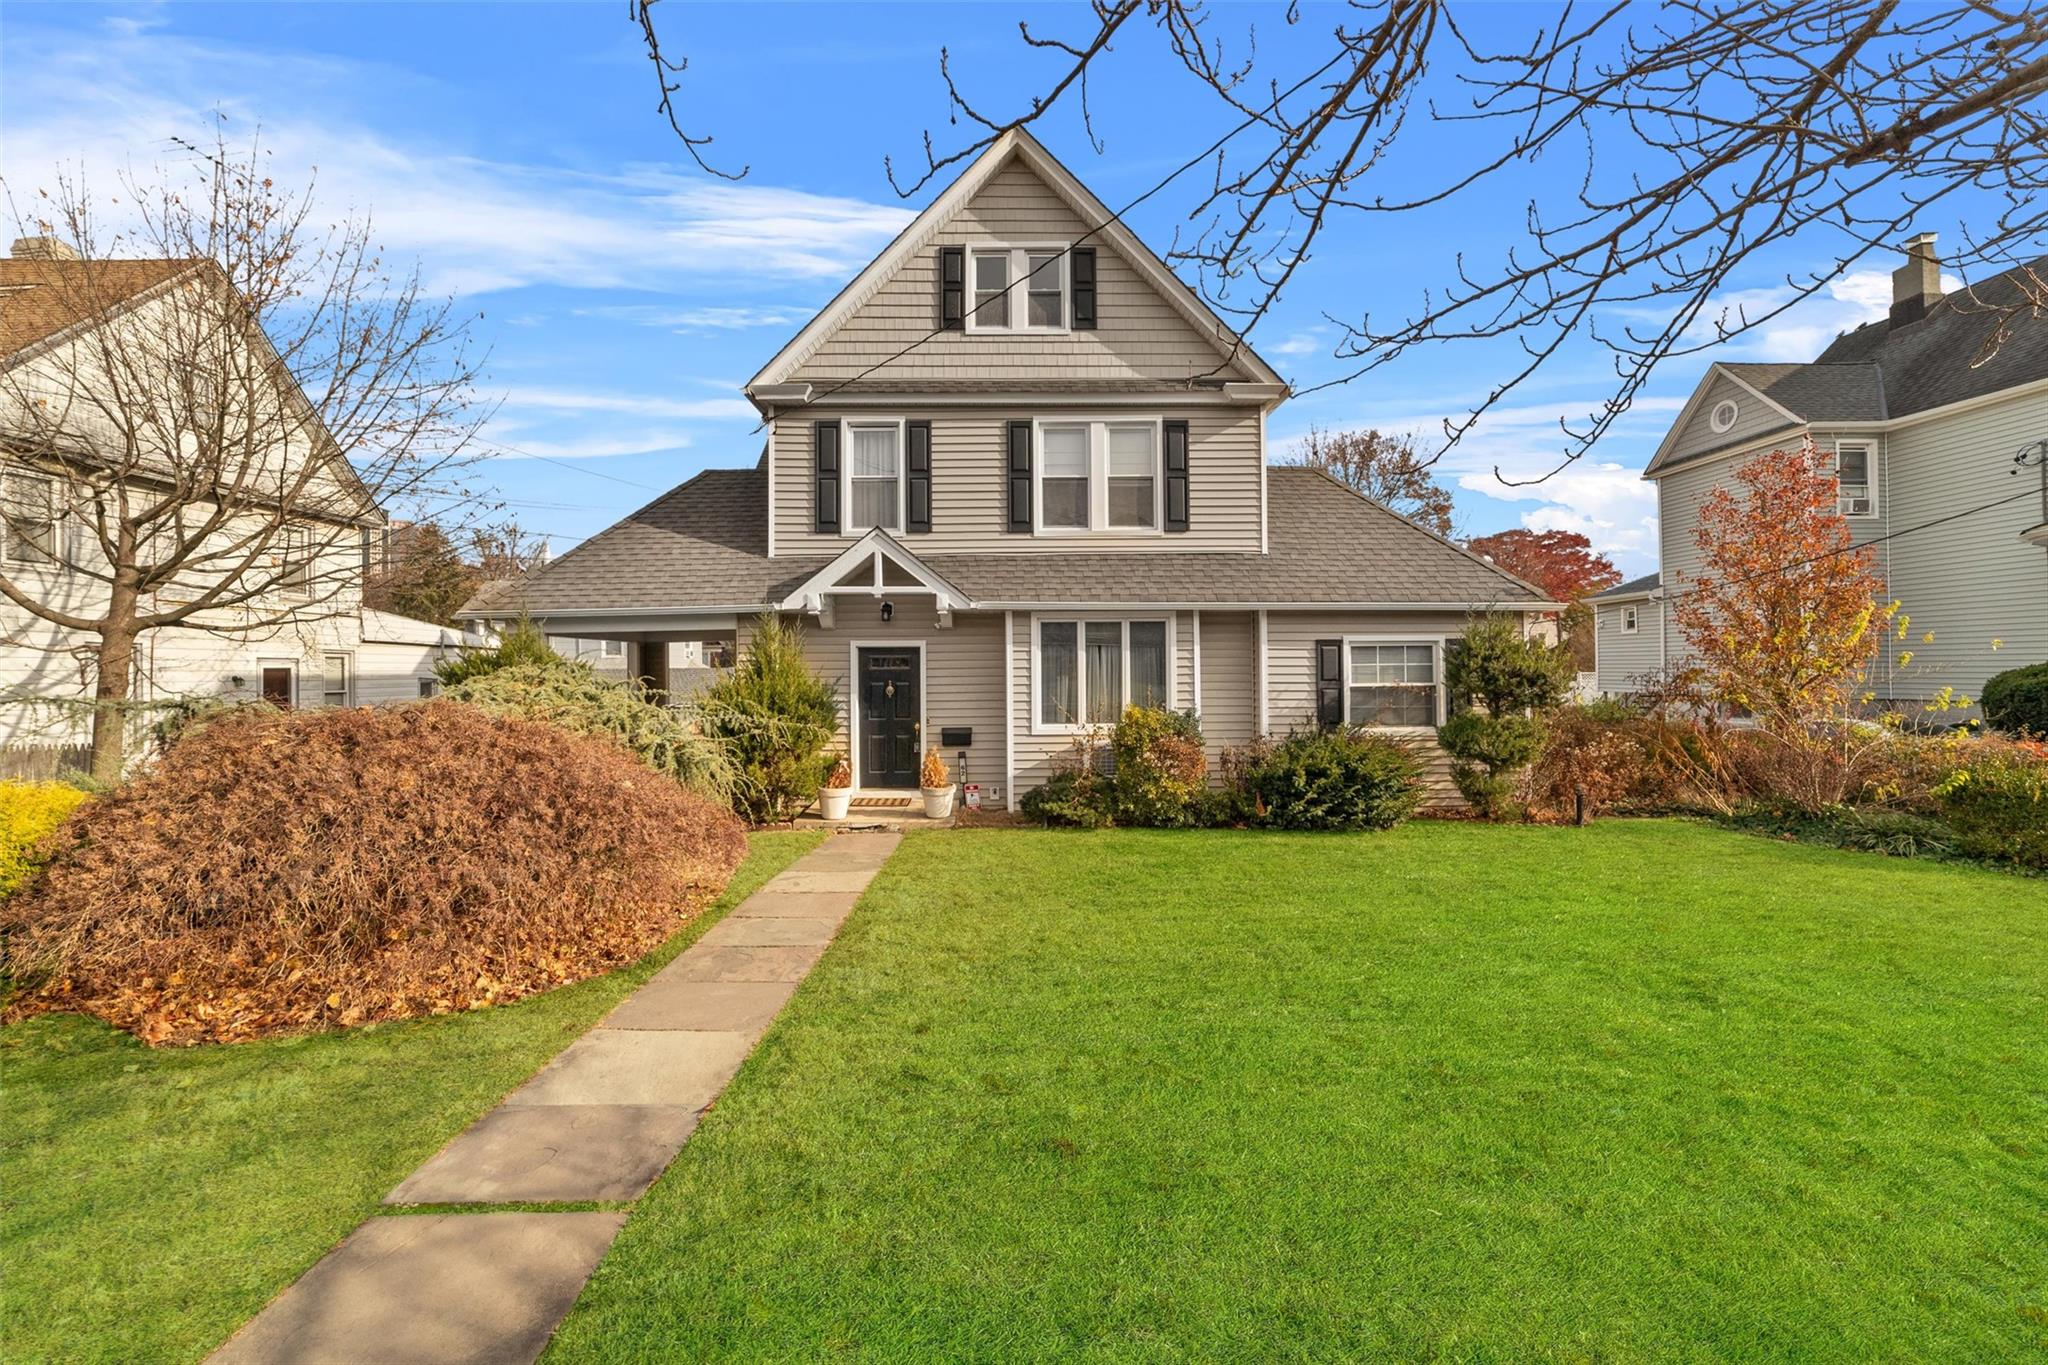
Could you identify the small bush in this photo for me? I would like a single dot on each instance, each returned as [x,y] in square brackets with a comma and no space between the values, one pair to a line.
[2016,701]
[777,719]
[1996,801]
[288,871]
[1161,773]
[29,814]
[574,697]
[1074,798]
[521,646]
[1497,668]
[1487,751]
[1346,780]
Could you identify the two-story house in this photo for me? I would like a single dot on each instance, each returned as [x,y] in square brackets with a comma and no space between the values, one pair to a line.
[1014,479]
[76,340]
[1936,439]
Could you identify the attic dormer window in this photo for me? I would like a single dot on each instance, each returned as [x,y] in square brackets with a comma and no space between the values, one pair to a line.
[1018,289]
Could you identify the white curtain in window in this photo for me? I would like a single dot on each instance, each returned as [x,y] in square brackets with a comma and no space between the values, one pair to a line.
[1105,670]
[1148,663]
[1057,674]
[991,290]
[873,463]
[1063,476]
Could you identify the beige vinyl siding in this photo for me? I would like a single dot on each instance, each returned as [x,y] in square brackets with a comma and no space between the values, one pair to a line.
[963,672]
[1753,418]
[1972,580]
[1229,675]
[1291,673]
[1140,337]
[969,492]
[1620,659]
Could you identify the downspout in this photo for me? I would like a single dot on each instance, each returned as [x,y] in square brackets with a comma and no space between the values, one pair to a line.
[1009,712]
[1261,679]
[1195,683]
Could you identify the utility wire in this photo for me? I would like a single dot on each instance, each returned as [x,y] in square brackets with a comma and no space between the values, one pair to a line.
[567,464]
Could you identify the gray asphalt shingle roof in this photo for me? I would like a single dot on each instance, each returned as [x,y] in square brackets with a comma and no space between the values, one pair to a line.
[1941,358]
[704,544]
[1819,392]
[1649,582]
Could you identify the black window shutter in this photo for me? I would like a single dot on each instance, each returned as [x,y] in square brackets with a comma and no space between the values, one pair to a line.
[1176,476]
[917,440]
[1020,476]
[1083,270]
[953,287]
[825,474]
[1329,683]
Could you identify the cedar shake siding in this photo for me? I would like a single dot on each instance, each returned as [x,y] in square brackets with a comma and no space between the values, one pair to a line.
[969,473]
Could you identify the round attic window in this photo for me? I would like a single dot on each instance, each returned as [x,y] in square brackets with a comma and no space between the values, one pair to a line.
[1724,414]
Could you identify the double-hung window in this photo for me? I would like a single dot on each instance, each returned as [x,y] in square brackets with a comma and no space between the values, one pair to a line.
[1855,494]
[1098,475]
[1392,683]
[334,688]
[1089,671]
[1629,620]
[31,518]
[295,569]
[874,476]
[1017,289]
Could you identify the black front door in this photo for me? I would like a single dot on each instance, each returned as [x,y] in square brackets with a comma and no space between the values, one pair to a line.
[888,718]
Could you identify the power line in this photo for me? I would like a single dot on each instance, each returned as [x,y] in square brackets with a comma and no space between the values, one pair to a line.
[571,465]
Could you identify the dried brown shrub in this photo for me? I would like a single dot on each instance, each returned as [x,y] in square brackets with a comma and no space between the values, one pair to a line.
[281,872]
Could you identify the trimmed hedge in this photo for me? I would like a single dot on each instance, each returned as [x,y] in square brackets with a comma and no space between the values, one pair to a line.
[280,872]
[1335,780]
[2016,701]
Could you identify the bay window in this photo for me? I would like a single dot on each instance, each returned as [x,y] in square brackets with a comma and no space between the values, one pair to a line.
[1088,671]
[874,474]
[1392,683]
[1098,475]
[1018,289]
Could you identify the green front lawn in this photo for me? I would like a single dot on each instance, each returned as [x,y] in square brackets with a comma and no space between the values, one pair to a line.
[154,1200]
[1647,1090]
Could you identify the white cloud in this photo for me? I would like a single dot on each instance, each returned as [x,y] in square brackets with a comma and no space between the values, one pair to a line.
[1802,331]
[698,319]
[625,404]
[508,442]
[476,225]
[1300,343]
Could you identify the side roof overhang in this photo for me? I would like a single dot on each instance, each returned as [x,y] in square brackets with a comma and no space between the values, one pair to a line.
[771,384]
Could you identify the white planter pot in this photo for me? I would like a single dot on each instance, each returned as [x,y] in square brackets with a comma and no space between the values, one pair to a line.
[938,802]
[832,801]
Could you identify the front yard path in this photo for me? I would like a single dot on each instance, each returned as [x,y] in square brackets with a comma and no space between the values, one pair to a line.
[597,1125]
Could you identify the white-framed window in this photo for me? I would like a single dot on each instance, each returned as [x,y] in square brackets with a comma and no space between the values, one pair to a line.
[873,474]
[1629,620]
[611,649]
[1722,418]
[30,518]
[1393,682]
[430,687]
[1855,488]
[295,561]
[1018,289]
[335,689]
[1099,474]
[1087,670]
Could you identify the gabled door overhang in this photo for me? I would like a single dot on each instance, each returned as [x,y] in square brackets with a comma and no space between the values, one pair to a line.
[876,565]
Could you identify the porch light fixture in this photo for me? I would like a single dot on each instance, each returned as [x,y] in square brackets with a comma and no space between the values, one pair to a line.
[888,610]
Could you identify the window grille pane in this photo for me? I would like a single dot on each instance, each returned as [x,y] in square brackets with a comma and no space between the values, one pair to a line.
[991,291]
[1105,672]
[1057,703]
[874,504]
[874,453]
[991,271]
[1065,503]
[1065,451]
[1044,300]
[1131,502]
[1148,663]
[1130,452]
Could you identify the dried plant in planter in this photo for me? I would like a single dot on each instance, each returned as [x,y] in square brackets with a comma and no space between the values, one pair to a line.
[841,775]
[933,772]
[281,872]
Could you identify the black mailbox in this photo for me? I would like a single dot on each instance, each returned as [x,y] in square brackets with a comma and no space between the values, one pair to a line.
[956,737]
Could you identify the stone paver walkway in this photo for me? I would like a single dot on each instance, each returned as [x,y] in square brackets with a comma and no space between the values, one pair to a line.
[597,1124]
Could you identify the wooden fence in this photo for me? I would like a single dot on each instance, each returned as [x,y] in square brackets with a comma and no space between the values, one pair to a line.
[42,762]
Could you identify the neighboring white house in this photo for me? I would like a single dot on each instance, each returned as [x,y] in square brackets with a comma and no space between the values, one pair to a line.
[331,653]
[1940,455]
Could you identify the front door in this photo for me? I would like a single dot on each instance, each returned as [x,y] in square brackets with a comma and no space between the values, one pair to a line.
[277,686]
[888,717]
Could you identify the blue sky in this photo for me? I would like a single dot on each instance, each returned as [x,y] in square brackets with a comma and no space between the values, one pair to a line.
[515,152]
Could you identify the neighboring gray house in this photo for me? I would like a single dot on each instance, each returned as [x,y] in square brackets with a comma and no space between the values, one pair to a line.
[1923,433]
[1016,478]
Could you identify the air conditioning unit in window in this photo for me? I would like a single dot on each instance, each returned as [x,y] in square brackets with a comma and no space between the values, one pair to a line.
[1854,507]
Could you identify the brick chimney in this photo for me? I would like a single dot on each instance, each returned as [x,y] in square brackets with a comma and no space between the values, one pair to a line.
[1916,285]
[42,249]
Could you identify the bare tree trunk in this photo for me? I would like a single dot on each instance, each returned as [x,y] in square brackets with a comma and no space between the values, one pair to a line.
[114,667]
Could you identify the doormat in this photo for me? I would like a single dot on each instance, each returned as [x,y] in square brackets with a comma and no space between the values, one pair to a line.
[880,803]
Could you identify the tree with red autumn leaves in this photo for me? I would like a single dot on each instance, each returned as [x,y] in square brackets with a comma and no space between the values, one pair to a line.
[1562,563]
[1785,617]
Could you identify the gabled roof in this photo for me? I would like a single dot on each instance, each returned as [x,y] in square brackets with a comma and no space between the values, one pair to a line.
[1819,392]
[702,547]
[1635,587]
[1019,145]
[42,299]
[863,567]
